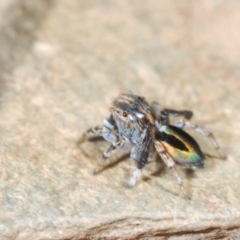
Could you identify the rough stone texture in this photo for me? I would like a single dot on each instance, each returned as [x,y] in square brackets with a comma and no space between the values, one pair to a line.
[62,63]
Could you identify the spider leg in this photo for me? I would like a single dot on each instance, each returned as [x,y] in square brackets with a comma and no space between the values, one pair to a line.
[136,175]
[140,154]
[92,132]
[169,163]
[106,131]
[156,109]
[204,131]
[165,113]
[109,151]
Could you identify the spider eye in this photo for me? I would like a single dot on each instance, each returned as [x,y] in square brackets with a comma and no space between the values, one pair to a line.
[125,114]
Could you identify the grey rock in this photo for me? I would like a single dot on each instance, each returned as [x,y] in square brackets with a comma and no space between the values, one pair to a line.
[62,63]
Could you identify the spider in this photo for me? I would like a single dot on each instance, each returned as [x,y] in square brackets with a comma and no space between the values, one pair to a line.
[135,125]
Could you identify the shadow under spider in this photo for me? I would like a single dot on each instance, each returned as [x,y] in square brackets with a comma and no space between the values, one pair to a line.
[112,164]
[208,155]
[158,172]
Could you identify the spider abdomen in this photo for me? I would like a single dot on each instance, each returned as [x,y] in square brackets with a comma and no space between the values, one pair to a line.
[181,146]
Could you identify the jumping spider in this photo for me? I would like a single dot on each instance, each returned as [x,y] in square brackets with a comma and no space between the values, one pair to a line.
[134,124]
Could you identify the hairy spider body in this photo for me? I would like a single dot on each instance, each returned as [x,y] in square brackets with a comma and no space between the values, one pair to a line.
[135,125]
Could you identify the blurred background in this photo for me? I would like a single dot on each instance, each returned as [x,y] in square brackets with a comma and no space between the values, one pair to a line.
[61,65]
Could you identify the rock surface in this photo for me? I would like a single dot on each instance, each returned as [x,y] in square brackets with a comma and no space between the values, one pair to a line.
[62,63]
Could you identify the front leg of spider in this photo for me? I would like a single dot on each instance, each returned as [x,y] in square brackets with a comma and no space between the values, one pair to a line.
[109,133]
[106,131]
[109,151]
[140,154]
[92,132]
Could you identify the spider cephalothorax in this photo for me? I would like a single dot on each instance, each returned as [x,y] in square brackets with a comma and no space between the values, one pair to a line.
[130,115]
[135,125]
